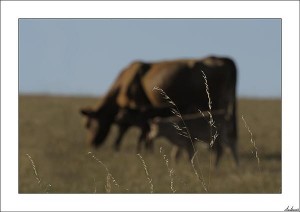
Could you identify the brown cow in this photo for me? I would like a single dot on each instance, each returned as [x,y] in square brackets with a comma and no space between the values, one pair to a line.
[182,81]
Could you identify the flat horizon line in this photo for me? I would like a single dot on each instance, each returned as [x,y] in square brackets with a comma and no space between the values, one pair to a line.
[84,95]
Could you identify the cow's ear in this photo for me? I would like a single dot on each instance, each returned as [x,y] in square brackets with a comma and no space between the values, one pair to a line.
[88,112]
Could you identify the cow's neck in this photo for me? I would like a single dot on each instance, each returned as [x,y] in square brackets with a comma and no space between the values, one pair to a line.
[109,106]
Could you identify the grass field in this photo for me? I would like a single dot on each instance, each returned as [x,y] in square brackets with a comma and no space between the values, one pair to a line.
[51,132]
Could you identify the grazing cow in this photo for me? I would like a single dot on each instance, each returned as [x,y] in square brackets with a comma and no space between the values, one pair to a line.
[185,131]
[181,80]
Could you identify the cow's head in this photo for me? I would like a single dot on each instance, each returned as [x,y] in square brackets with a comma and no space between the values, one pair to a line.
[97,124]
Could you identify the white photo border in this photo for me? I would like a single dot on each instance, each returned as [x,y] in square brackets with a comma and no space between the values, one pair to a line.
[11,11]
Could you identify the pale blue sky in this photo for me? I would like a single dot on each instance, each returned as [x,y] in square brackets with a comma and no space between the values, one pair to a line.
[84,56]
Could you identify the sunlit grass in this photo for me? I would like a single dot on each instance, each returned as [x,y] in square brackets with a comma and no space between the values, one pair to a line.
[51,131]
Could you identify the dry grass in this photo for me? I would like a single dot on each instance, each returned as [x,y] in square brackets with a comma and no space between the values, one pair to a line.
[170,170]
[184,131]
[37,177]
[51,132]
[252,142]
[147,173]
[109,176]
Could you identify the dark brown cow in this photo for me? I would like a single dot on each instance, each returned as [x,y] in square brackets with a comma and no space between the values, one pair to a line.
[181,80]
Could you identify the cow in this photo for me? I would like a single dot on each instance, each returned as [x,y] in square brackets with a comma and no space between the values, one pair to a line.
[185,131]
[182,80]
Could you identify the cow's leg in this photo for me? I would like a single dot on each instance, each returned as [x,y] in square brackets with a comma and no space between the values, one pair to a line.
[233,134]
[122,129]
[219,150]
[175,153]
[232,143]
[233,149]
[143,137]
[191,151]
[145,129]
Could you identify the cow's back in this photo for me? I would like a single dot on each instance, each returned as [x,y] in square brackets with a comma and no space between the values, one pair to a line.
[183,81]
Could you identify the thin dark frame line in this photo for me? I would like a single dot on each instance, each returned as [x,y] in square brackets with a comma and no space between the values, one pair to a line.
[139,19]
[154,0]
